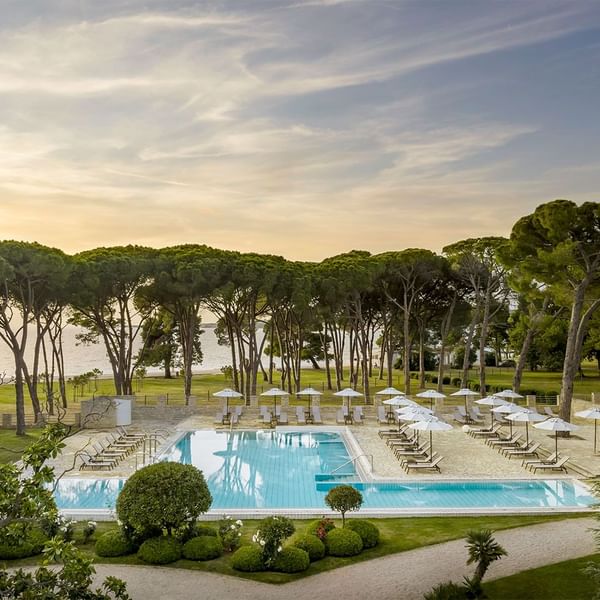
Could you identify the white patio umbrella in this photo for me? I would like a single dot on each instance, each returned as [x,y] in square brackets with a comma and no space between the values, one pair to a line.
[348,393]
[390,391]
[431,424]
[413,413]
[556,424]
[591,413]
[492,401]
[526,415]
[310,392]
[506,409]
[398,401]
[431,394]
[227,393]
[508,394]
[466,392]
[274,392]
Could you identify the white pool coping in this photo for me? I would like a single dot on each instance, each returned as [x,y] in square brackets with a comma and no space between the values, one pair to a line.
[365,475]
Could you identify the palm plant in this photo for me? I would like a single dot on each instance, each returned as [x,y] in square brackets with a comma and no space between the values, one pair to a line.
[483,550]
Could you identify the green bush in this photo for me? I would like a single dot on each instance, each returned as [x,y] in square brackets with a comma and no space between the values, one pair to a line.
[291,560]
[160,550]
[32,545]
[270,535]
[343,542]
[311,544]
[165,495]
[369,534]
[248,559]
[320,528]
[447,591]
[203,547]
[114,543]
[199,529]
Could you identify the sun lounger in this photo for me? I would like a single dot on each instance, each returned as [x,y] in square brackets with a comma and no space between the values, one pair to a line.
[266,418]
[550,459]
[300,415]
[316,414]
[486,431]
[94,462]
[500,442]
[551,466]
[130,435]
[460,418]
[531,451]
[119,442]
[549,411]
[396,432]
[282,418]
[235,418]
[382,417]
[418,460]
[340,416]
[476,416]
[434,464]
[419,451]
[521,446]
[219,418]
[105,451]
[358,417]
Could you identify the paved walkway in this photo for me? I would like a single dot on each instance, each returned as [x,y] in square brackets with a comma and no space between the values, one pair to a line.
[407,575]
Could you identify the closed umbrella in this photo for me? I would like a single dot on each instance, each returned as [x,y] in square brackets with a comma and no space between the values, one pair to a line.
[431,424]
[526,415]
[274,392]
[431,394]
[556,424]
[310,392]
[492,401]
[348,393]
[466,392]
[591,413]
[227,393]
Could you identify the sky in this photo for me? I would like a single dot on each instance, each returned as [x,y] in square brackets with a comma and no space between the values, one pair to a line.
[304,128]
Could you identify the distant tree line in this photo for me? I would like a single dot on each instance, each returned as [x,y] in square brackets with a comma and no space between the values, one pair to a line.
[534,294]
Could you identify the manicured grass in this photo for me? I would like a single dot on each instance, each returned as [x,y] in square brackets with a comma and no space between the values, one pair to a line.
[397,535]
[561,581]
[206,384]
[12,446]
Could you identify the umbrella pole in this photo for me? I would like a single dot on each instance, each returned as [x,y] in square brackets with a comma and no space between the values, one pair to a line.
[527,432]
[595,433]
[430,443]
[556,444]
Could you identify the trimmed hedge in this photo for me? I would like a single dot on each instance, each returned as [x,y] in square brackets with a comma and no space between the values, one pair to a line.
[369,534]
[248,559]
[203,547]
[114,543]
[343,542]
[32,545]
[327,524]
[199,530]
[291,560]
[311,544]
[160,550]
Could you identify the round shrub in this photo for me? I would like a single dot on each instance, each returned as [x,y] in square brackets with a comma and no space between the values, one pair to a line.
[291,560]
[343,542]
[165,495]
[311,544]
[248,559]
[160,550]
[320,528]
[114,543]
[199,530]
[32,545]
[203,547]
[369,534]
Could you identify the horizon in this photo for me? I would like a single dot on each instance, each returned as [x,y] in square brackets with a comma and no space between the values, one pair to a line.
[301,128]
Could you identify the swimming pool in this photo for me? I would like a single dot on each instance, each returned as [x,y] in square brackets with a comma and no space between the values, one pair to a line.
[256,470]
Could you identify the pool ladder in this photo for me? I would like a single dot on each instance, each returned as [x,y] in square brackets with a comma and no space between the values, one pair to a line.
[353,461]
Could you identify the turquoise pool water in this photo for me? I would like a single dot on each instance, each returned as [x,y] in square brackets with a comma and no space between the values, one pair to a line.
[289,470]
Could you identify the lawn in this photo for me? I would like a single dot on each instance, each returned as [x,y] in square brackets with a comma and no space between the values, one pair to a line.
[397,535]
[12,446]
[561,581]
[206,384]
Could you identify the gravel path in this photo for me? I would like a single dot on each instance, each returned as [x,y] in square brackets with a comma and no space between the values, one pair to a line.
[404,576]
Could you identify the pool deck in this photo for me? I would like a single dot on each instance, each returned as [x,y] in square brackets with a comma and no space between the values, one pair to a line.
[465,458]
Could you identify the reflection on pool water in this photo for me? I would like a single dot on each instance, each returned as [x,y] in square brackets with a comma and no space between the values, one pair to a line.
[287,470]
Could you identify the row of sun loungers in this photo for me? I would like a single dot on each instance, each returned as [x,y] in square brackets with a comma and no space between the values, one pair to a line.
[410,453]
[515,447]
[110,451]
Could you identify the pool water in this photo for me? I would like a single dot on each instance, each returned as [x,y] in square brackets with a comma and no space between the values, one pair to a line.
[292,470]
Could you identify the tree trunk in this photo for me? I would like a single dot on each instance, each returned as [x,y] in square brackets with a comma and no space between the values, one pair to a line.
[520,366]
[407,346]
[468,343]
[19,395]
[483,339]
